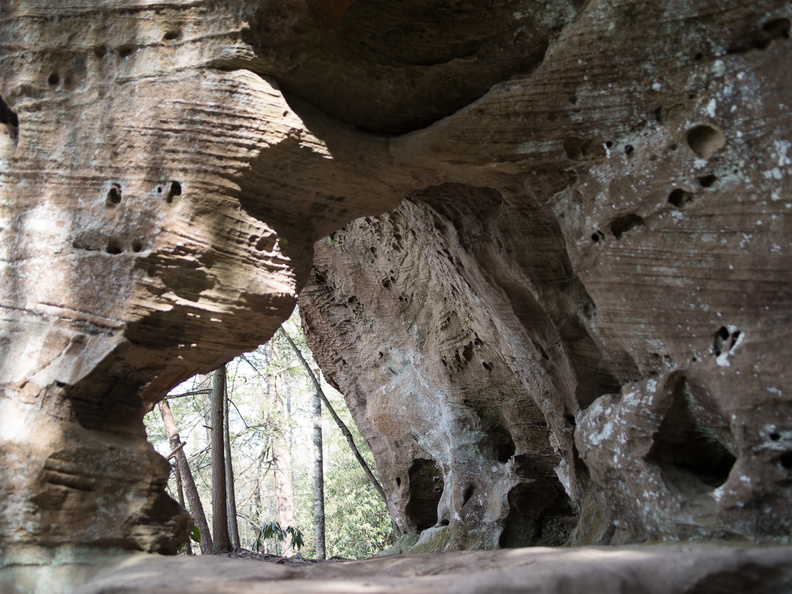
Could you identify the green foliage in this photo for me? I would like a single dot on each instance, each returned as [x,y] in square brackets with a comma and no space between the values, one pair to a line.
[358,524]
[272,531]
[195,535]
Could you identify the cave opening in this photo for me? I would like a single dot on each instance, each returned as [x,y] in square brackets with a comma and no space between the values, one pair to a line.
[693,445]
[426,489]
[540,514]
[497,442]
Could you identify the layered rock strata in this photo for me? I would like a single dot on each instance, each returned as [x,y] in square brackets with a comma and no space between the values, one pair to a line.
[158,204]
[577,321]
[576,327]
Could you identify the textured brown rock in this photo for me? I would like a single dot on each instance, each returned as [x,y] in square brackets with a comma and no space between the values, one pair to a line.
[159,203]
[577,318]
[582,315]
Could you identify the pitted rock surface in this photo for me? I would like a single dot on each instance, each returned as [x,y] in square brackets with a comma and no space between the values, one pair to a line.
[554,283]
[578,326]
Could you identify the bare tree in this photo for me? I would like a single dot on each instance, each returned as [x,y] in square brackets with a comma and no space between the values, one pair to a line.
[319,509]
[220,535]
[341,425]
[180,491]
[184,472]
[233,526]
[281,455]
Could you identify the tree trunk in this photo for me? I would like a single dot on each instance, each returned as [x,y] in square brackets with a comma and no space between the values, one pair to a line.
[341,425]
[282,463]
[233,526]
[180,493]
[222,540]
[319,511]
[194,500]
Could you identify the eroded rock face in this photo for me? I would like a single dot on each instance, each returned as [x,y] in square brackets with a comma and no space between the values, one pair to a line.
[159,200]
[577,325]
[576,322]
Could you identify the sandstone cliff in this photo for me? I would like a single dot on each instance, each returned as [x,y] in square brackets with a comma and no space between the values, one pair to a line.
[573,320]
[577,325]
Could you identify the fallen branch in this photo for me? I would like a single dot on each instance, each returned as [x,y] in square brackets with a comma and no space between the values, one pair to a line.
[176,451]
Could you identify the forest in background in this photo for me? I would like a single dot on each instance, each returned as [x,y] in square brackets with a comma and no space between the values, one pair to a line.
[270,396]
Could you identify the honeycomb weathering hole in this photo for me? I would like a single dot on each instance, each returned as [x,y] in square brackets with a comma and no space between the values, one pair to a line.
[426,489]
[680,198]
[540,514]
[113,195]
[705,140]
[626,223]
[693,445]
[174,190]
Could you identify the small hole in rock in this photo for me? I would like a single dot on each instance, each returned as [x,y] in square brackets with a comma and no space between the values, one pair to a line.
[698,57]
[486,366]
[320,279]
[693,444]
[125,51]
[775,436]
[174,190]
[467,352]
[171,34]
[9,118]
[114,247]
[266,243]
[137,246]
[777,27]
[53,79]
[468,494]
[680,198]
[581,149]
[628,149]
[705,140]
[609,144]
[707,181]
[721,342]
[444,522]
[425,493]
[398,481]
[786,460]
[625,223]
[113,195]
[762,44]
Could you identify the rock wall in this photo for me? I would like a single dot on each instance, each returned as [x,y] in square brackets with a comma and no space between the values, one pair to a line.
[577,325]
[159,198]
[579,311]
